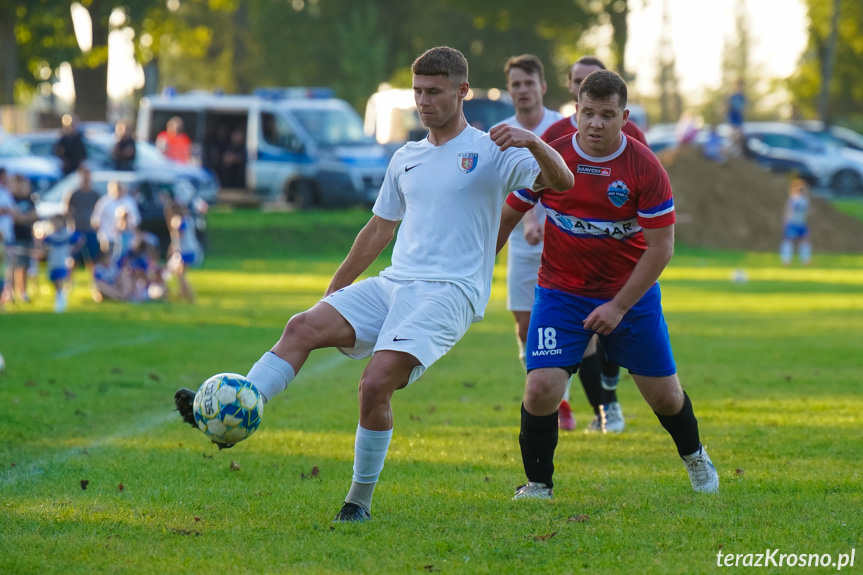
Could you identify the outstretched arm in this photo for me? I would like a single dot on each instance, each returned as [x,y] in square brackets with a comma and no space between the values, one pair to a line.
[554,172]
[660,247]
[370,242]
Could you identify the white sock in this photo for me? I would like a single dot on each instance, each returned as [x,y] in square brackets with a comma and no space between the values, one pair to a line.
[566,391]
[370,450]
[271,375]
[786,251]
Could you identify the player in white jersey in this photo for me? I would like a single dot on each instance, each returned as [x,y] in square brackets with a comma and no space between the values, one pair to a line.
[525,82]
[447,191]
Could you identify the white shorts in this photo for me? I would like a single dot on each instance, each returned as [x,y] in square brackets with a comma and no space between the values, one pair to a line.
[522,271]
[422,318]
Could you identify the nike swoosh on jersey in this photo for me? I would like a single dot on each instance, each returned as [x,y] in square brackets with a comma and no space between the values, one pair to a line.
[402,339]
[409,168]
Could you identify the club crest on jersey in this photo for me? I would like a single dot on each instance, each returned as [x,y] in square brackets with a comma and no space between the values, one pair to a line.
[467,161]
[618,193]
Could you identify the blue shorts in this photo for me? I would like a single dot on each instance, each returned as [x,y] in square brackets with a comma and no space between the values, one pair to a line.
[58,274]
[557,337]
[795,231]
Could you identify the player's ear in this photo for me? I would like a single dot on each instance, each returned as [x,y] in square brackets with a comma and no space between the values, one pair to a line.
[463,89]
[625,116]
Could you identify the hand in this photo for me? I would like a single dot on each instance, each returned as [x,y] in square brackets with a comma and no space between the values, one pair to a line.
[604,318]
[506,136]
[532,231]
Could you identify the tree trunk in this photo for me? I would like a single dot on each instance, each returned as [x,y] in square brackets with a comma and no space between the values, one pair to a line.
[91,84]
[827,66]
[8,54]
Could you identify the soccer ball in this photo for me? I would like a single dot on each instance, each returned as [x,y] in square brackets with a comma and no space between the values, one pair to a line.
[2,363]
[228,408]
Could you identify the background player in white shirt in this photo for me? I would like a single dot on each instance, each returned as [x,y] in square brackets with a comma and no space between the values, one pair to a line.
[525,82]
[448,192]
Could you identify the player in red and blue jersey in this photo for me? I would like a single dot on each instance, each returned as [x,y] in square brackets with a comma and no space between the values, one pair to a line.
[599,376]
[607,240]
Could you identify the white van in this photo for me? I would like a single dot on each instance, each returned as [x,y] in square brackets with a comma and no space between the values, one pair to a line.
[298,145]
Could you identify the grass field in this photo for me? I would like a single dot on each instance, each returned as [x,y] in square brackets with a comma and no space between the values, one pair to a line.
[98,475]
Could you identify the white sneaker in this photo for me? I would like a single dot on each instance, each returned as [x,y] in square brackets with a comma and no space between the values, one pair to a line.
[60,303]
[532,490]
[613,417]
[702,473]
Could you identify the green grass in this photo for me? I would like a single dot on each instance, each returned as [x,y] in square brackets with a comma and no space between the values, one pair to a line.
[772,364]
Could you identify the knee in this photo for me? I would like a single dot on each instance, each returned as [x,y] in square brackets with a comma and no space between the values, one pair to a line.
[299,329]
[669,402]
[374,390]
[542,390]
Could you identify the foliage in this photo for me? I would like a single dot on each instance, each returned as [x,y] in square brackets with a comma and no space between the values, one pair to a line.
[99,476]
[846,85]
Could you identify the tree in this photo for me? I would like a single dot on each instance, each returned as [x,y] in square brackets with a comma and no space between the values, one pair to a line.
[845,86]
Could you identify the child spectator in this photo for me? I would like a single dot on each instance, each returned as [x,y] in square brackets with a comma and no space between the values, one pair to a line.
[794,224]
[60,245]
[110,279]
[23,260]
[184,250]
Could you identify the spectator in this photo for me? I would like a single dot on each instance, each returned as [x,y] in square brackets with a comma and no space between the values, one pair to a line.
[2,271]
[70,147]
[174,143]
[736,113]
[111,281]
[60,244]
[794,224]
[78,208]
[107,210]
[234,161]
[24,219]
[714,149]
[185,250]
[7,229]
[125,150]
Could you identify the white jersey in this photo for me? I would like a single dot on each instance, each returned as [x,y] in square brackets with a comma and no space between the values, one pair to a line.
[517,244]
[449,199]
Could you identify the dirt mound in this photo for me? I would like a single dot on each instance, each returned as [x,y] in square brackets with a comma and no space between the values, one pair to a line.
[738,205]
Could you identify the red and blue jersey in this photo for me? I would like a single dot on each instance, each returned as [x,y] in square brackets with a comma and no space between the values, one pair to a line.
[593,236]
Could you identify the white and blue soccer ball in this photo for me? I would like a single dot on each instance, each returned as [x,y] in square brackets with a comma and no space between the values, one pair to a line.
[228,408]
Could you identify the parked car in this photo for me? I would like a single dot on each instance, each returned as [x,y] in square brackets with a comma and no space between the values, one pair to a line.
[663,136]
[149,189]
[99,146]
[785,147]
[16,159]
[833,134]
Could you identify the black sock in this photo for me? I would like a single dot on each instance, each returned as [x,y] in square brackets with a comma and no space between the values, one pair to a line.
[609,376]
[591,380]
[538,439]
[683,428]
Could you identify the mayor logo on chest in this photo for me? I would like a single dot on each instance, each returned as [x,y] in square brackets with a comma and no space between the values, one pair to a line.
[618,193]
[467,161]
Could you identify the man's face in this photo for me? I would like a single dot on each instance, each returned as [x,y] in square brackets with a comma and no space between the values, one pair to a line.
[577,74]
[86,179]
[526,89]
[437,99]
[599,124]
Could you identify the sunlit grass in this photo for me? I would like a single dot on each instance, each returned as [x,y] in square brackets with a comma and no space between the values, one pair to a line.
[771,360]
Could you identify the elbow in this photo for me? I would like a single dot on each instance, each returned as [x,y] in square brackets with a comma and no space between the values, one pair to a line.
[564,181]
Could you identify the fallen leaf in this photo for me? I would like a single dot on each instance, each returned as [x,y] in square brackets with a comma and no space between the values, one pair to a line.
[197,518]
[80,413]
[468,384]
[415,418]
[155,376]
[85,483]
[578,518]
[120,487]
[69,393]
[14,464]
[544,537]
[186,532]
[739,471]
[235,466]
[315,471]
[30,383]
